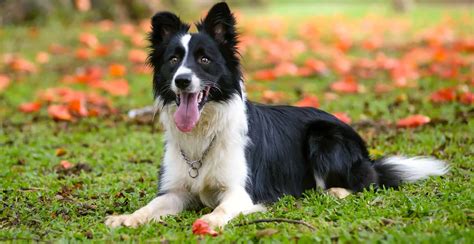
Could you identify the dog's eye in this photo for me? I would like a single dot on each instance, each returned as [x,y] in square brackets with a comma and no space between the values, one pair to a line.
[204,60]
[174,60]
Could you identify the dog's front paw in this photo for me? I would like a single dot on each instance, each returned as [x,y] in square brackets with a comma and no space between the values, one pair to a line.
[129,220]
[215,221]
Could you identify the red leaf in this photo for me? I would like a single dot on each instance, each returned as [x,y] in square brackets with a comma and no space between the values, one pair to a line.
[444,95]
[4,82]
[59,112]
[201,227]
[342,117]
[88,39]
[266,74]
[345,85]
[66,164]
[308,101]
[78,106]
[30,107]
[413,121]
[467,98]
[317,66]
[22,65]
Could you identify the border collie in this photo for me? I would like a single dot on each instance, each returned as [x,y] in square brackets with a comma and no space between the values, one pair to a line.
[233,155]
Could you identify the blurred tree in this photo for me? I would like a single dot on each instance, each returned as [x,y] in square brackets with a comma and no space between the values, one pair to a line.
[36,11]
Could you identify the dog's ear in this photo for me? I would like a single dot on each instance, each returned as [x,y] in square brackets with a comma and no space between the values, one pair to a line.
[220,24]
[163,26]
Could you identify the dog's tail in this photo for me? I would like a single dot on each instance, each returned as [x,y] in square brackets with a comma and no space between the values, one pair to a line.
[395,170]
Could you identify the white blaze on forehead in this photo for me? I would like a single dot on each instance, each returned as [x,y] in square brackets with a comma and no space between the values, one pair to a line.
[183,69]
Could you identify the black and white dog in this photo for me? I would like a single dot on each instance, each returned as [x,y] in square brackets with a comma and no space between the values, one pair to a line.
[230,154]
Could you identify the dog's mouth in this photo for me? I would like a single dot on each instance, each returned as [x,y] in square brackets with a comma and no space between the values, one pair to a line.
[189,108]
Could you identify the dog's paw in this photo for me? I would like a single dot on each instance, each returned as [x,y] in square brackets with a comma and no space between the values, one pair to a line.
[338,192]
[129,220]
[215,221]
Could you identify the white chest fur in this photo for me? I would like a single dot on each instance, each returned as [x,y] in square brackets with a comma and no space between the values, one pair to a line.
[223,167]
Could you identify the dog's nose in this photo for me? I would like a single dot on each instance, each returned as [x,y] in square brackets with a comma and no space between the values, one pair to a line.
[183,81]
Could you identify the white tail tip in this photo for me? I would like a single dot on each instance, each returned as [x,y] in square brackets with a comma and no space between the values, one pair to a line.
[416,168]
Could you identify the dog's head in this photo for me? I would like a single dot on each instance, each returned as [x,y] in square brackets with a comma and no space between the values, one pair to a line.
[193,69]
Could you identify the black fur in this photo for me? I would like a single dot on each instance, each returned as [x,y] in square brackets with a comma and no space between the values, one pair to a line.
[288,146]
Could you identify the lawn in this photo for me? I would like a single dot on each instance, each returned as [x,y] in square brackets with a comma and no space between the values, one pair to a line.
[60,176]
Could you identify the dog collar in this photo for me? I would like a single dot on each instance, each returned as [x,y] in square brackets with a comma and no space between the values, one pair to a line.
[195,165]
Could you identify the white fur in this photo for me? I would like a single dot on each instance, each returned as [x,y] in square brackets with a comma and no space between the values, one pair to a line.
[183,69]
[416,168]
[223,175]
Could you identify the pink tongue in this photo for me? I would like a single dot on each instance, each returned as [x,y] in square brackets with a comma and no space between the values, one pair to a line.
[187,114]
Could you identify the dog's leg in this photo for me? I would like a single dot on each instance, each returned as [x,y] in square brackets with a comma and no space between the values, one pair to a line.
[339,192]
[168,204]
[234,202]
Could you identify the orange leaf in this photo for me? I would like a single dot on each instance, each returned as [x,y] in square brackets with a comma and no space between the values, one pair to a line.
[59,112]
[117,70]
[343,117]
[88,39]
[317,66]
[83,54]
[117,87]
[443,95]
[30,107]
[137,56]
[346,85]
[286,68]
[78,106]
[413,121]
[60,152]
[22,65]
[4,82]
[66,164]
[42,57]
[266,74]
[201,227]
[308,101]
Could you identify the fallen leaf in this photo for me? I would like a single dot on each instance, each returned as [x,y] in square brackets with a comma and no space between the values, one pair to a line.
[60,152]
[266,74]
[30,107]
[201,227]
[466,98]
[42,57]
[343,117]
[59,112]
[88,39]
[117,70]
[66,164]
[443,95]
[22,65]
[346,85]
[308,101]
[116,87]
[413,121]
[78,106]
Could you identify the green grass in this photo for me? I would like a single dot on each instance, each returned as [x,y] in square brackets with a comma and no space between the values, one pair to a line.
[38,202]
